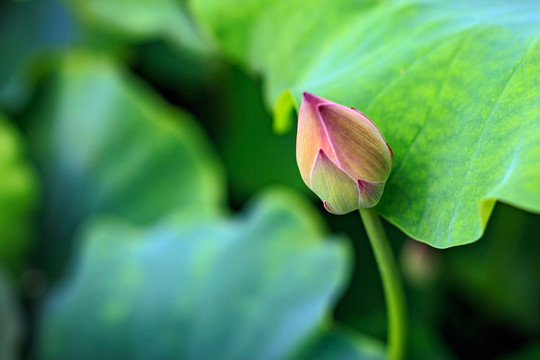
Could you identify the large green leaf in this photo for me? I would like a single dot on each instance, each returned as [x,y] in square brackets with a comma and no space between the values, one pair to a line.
[18,195]
[107,144]
[453,85]
[198,286]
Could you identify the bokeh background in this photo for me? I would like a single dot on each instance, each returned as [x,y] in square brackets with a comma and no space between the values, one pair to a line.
[148,210]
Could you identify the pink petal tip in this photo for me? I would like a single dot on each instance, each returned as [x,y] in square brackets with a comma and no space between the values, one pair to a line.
[328,207]
[312,99]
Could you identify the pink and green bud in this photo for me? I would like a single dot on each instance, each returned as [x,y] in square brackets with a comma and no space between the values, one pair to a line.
[342,155]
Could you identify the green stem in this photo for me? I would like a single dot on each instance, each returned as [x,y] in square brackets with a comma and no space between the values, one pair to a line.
[393,290]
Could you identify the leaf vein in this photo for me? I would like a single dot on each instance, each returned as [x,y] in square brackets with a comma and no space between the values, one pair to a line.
[525,92]
[475,150]
[451,62]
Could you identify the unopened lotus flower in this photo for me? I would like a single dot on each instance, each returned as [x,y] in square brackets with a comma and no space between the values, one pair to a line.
[342,155]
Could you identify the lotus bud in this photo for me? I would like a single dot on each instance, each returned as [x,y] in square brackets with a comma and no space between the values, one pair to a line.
[342,155]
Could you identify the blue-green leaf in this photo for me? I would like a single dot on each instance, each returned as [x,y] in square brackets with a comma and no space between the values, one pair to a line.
[107,144]
[198,286]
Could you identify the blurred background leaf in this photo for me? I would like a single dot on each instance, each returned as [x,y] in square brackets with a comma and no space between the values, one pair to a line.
[198,287]
[11,328]
[106,143]
[253,155]
[175,55]
[460,79]
[343,345]
[30,30]
[18,197]
[143,20]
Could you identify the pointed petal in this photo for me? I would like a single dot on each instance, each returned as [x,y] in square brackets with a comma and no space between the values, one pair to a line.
[334,187]
[313,100]
[360,147]
[370,192]
[311,135]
